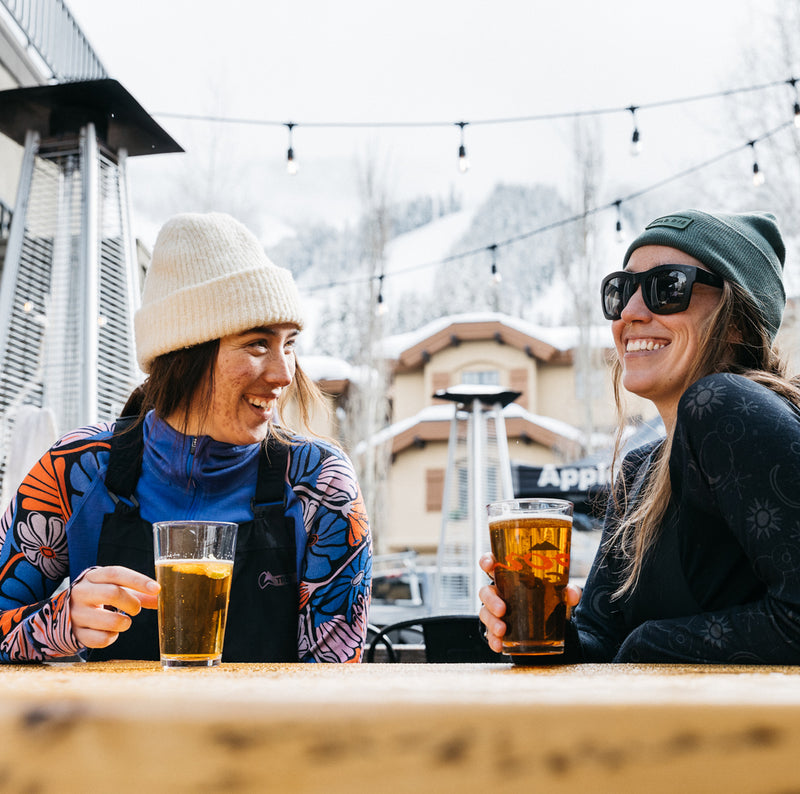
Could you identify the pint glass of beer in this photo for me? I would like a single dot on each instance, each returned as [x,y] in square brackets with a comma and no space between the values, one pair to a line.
[531,544]
[194,566]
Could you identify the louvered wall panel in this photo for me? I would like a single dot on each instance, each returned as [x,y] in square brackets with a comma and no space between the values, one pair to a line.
[44,360]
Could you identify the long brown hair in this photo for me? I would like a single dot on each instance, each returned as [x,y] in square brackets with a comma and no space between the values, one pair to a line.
[734,339]
[184,378]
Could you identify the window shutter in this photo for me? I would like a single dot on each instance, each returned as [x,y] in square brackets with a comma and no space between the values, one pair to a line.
[519,382]
[434,489]
[440,381]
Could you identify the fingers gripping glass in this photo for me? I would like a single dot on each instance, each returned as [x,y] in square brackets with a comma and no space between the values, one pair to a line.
[666,289]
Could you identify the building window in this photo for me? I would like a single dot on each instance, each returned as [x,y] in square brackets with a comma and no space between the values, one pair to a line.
[481,377]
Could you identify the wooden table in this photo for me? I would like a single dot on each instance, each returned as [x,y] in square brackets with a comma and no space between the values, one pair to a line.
[129,726]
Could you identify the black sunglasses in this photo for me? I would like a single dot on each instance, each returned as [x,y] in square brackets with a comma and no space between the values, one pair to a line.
[666,289]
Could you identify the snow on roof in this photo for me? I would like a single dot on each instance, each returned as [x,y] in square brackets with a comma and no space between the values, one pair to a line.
[561,337]
[444,413]
[328,368]
[547,422]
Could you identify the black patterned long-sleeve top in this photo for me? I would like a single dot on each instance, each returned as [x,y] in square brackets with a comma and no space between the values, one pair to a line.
[722,583]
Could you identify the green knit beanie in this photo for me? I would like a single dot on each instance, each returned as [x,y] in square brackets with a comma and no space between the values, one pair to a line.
[745,248]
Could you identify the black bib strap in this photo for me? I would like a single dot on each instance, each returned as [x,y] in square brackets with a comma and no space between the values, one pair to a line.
[272,464]
[125,463]
[263,611]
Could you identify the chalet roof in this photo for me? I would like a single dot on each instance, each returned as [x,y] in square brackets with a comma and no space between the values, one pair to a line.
[551,344]
[333,375]
[328,368]
[433,424]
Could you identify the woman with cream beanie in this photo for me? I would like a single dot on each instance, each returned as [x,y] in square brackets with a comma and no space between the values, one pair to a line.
[216,335]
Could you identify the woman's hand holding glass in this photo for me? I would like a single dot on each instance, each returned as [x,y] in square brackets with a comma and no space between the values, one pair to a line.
[493,609]
[103,598]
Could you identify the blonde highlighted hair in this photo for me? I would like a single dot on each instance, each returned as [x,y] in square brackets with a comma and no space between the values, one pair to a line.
[734,339]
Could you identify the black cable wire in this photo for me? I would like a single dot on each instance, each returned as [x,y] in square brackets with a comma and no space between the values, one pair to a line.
[499,120]
[561,222]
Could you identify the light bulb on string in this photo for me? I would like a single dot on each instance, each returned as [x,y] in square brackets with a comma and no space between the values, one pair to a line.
[620,234]
[291,164]
[758,175]
[463,162]
[496,277]
[792,81]
[636,143]
[381,308]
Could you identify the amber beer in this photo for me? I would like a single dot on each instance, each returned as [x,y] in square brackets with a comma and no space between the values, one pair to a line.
[194,566]
[192,608]
[531,544]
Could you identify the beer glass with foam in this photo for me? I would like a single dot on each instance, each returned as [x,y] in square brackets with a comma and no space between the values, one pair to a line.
[194,566]
[531,543]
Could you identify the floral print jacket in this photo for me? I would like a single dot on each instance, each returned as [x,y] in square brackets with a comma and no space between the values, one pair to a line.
[51,528]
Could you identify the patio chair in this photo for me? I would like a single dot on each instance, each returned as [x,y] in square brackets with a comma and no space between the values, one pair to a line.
[446,638]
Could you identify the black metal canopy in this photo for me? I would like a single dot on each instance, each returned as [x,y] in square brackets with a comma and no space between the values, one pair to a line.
[63,109]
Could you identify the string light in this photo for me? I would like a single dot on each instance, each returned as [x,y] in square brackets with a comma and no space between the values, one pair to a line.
[508,120]
[381,309]
[636,144]
[291,165]
[463,162]
[560,223]
[496,277]
[758,176]
[620,235]
[792,81]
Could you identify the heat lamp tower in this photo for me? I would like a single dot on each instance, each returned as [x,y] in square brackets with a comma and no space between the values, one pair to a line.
[70,284]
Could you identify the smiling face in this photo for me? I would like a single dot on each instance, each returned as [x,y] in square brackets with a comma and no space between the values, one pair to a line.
[658,351]
[250,372]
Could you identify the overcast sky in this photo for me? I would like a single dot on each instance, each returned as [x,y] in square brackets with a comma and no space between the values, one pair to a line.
[345,61]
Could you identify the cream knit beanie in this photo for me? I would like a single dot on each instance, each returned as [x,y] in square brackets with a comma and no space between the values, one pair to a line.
[209,277]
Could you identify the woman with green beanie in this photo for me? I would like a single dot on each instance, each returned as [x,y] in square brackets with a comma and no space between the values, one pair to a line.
[700,558]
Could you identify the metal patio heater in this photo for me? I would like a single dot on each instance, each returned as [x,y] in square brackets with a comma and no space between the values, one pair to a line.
[478,472]
[70,281]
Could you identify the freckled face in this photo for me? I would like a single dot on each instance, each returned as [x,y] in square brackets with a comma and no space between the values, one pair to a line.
[250,372]
[657,351]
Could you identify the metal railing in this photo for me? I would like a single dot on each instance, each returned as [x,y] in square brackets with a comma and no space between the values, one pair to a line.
[51,30]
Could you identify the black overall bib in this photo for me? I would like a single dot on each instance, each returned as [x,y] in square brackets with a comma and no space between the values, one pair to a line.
[263,613]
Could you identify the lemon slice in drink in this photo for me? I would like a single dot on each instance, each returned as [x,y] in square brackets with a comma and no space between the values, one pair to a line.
[211,569]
